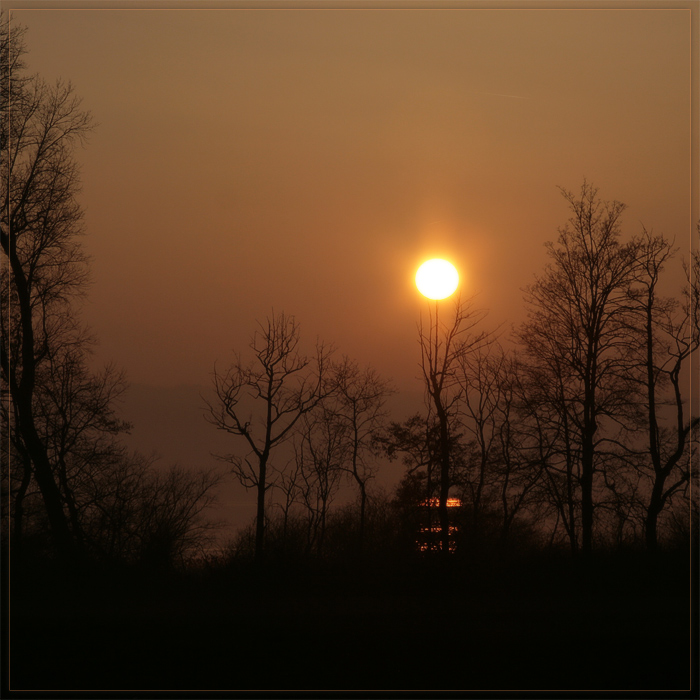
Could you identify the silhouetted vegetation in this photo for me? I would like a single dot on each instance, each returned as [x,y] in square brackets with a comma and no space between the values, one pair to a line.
[538,539]
[71,490]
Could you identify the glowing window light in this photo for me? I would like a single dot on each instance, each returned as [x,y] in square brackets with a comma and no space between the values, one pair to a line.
[451,529]
[435,502]
[424,547]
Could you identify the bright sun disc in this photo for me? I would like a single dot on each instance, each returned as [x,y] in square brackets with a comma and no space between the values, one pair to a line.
[437,279]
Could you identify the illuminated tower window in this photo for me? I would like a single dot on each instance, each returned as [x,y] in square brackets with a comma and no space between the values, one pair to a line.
[428,537]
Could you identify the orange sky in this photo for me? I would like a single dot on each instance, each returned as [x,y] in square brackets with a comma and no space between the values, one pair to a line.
[310,159]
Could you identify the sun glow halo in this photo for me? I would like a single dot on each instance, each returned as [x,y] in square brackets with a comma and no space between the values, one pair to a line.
[437,279]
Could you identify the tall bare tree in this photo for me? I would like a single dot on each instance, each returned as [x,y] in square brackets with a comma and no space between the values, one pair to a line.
[261,401]
[667,339]
[442,345]
[575,331]
[44,266]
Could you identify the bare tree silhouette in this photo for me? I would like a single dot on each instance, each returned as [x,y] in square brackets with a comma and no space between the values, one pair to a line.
[46,270]
[63,417]
[358,409]
[505,471]
[262,401]
[442,348]
[320,449]
[667,339]
[576,337]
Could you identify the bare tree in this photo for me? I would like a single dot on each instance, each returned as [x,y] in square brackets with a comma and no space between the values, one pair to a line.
[479,380]
[359,411]
[548,436]
[576,331]
[320,450]
[667,339]
[442,346]
[45,268]
[288,482]
[489,380]
[79,425]
[261,402]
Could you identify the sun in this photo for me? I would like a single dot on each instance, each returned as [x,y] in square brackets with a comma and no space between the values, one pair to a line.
[437,279]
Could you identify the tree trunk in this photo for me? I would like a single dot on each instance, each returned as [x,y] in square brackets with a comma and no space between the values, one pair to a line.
[586,501]
[51,495]
[18,515]
[587,461]
[656,499]
[260,513]
[22,396]
[653,510]
[363,504]
[570,522]
[444,479]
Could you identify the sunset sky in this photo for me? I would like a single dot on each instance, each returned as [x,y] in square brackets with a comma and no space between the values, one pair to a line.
[308,160]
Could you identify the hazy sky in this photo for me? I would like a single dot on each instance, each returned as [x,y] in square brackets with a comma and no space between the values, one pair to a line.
[310,159]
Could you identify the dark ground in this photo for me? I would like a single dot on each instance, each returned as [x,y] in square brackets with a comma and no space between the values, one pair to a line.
[546,625]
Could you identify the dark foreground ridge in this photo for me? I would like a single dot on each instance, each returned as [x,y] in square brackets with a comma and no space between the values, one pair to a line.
[547,624]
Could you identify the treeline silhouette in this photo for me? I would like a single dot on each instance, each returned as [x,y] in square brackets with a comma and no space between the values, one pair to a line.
[540,537]
[574,429]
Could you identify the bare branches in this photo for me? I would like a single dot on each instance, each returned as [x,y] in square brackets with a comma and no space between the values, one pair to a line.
[45,268]
[142,514]
[605,351]
[576,332]
[357,408]
[443,344]
[263,400]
